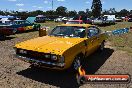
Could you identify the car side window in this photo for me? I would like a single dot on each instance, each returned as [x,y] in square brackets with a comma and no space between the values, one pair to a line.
[92,32]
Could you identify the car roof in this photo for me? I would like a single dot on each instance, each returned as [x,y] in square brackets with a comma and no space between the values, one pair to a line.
[78,25]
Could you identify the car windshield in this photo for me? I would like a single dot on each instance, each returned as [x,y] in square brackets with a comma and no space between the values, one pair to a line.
[68,31]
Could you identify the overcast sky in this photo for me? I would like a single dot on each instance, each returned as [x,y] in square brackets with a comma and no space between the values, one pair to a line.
[78,5]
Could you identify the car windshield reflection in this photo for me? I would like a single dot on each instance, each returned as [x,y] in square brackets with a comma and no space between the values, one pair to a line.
[67,31]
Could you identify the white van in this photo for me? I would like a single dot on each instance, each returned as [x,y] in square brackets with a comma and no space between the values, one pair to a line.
[110,19]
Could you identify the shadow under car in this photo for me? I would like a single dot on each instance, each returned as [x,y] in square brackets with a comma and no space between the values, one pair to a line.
[67,79]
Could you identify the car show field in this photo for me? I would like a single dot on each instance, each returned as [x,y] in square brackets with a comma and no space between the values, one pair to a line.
[115,59]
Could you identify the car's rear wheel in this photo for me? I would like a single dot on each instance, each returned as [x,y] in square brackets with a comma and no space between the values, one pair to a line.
[101,47]
[2,36]
[34,66]
[14,31]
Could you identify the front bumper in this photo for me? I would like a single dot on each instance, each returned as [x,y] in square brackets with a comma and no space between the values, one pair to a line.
[42,63]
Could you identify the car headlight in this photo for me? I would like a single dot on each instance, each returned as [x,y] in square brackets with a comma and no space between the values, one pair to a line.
[54,57]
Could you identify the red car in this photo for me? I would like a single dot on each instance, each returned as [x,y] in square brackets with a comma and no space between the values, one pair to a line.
[74,22]
[7,30]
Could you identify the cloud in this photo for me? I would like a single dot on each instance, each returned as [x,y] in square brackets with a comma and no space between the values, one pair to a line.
[34,6]
[103,2]
[21,9]
[87,2]
[60,0]
[46,2]
[12,0]
[40,7]
[49,7]
[19,4]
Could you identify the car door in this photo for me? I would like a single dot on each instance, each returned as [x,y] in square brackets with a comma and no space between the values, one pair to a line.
[93,37]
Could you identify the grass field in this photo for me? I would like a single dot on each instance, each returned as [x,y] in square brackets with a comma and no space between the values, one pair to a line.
[122,42]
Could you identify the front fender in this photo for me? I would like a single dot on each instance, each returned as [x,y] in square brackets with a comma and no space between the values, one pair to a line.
[72,52]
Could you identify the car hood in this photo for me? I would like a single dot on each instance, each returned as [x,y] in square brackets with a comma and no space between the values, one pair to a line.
[48,44]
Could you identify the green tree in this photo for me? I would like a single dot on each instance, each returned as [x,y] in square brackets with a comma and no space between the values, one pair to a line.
[81,13]
[50,12]
[96,8]
[88,13]
[61,11]
[72,13]
[123,12]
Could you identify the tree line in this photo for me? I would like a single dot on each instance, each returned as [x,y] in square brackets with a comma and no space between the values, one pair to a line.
[96,11]
[62,11]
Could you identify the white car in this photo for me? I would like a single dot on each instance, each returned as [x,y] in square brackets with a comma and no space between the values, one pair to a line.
[58,19]
[99,21]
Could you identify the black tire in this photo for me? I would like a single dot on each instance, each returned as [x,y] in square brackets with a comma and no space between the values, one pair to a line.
[15,31]
[101,47]
[2,36]
[34,66]
[76,63]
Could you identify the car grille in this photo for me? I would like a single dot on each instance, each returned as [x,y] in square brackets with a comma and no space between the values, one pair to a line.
[35,55]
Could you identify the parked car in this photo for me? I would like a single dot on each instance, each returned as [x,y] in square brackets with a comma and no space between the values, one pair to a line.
[5,20]
[129,19]
[26,25]
[88,21]
[99,21]
[74,22]
[54,50]
[15,26]
[6,30]
[110,19]
[119,19]
[40,19]
[65,19]
[59,19]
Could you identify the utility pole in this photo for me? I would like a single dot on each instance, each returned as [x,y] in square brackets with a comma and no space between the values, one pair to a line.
[52,5]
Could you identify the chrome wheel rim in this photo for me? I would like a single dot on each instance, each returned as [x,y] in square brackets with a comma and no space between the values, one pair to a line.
[77,63]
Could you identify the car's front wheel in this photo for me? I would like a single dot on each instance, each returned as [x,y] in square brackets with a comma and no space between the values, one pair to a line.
[76,63]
